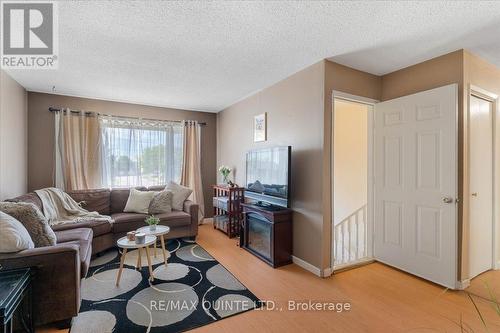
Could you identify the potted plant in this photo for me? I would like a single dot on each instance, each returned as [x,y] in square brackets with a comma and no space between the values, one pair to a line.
[152,221]
[225,171]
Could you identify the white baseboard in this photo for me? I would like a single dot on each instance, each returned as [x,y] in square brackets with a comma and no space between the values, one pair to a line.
[327,272]
[464,284]
[307,266]
[497,266]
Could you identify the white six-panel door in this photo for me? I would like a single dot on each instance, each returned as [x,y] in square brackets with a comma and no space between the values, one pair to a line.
[415,152]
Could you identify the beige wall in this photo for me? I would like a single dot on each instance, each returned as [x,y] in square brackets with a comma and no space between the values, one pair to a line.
[294,109]
[41,134]
[13,138]
[351,159]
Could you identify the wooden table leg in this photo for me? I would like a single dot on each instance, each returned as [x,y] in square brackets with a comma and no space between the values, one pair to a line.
[154,249]
[163,249]
[139,258]
[122,260]
[151,277]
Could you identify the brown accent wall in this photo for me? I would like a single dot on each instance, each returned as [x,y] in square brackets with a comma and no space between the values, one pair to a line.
[13,138]
[430,74]
[41,134]
[295,108]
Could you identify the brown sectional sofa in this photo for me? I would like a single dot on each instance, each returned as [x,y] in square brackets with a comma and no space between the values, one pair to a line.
[60,268]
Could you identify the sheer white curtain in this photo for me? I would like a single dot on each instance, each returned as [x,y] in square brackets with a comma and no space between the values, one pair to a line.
[140,152]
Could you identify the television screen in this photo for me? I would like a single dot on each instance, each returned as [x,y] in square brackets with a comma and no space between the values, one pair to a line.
[268,172]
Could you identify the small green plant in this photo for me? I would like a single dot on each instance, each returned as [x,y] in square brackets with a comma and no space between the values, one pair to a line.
[152,220]
[465,327]
[225,171]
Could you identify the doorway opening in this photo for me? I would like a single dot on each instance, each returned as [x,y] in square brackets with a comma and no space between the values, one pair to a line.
[351,188]
[481,161]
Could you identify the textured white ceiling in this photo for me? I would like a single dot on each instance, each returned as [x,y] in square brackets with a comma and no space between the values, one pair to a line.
[208,55]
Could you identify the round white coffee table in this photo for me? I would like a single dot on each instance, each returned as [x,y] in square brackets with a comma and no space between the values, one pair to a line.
[160,232]
[126,244]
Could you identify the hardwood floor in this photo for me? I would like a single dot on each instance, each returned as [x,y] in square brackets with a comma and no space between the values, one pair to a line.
[486,285]
[382,299]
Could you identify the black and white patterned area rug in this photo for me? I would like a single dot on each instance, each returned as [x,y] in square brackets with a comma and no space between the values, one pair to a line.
[193,290]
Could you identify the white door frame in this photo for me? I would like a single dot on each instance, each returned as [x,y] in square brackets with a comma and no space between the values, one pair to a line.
[495,223]
[370,195]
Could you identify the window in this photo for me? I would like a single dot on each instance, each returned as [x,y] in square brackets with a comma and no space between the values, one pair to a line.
[140,153]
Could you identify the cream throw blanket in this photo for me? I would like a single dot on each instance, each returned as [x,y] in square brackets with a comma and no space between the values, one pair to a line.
[60,208]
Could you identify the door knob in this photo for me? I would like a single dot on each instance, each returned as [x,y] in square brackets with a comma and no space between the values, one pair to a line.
[447,200]
[474,194]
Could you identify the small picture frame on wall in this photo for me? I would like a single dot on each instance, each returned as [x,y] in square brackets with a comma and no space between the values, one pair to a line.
[260,127]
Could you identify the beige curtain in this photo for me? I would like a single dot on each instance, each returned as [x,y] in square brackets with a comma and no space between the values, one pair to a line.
[191,167]
[78,151]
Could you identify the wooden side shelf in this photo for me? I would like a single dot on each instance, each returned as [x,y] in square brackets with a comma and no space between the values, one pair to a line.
[228,212]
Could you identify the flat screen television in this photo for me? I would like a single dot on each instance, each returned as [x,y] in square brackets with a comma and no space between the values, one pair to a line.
[268,175]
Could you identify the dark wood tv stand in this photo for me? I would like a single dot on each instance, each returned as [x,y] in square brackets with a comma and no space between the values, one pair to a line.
[267,233]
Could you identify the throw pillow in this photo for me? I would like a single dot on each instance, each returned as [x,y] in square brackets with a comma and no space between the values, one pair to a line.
[180,194]
[13,235]
[138,201]
[33,220]
[161,203]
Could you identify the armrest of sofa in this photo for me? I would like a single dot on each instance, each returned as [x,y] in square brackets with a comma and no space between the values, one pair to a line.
[192,209]
[56,285]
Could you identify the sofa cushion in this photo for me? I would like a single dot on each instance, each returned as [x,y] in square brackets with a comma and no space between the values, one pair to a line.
[98,227]
[157,188]
[93,200]
[81,237]
[138,201]
[175,218]
[125,222]
[161,203]
[33,220]
[119,197]
[180,194]
[13,235]
[31,197]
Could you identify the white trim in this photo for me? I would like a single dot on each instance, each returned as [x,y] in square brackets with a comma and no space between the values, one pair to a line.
[353,98]
[464,284]
[475,89]
[358,262]
[370,194]
[307,266]
[327,272]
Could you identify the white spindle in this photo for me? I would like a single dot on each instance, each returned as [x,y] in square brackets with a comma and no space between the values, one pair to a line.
[348,246]
[357,235]
[365,230]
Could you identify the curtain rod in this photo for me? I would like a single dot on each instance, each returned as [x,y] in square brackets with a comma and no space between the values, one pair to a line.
[53,109]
